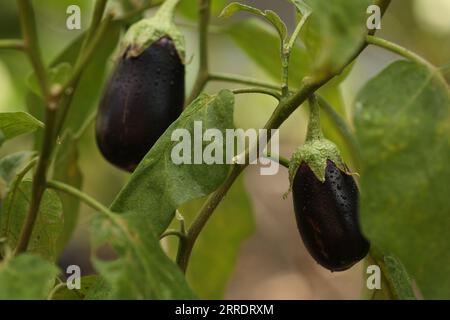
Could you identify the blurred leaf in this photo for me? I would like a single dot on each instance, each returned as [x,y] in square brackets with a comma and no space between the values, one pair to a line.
[334,32]
[216,250]
[11,163]
[142,270]
[56,75]
[67,170]
[403,128]
[158,186]
[76,294]
[190,10]
[26,277]
[396,283]
[13,124]
[269,15]
[99,290]
[48,225]
[263,47]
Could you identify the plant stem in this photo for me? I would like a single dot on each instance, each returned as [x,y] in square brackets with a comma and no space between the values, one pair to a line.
[282,112]
[86,55]
[18,179]
[205,213]
[395,48]
[342,126]
[39,181]
[66,92]
[97,15]
[16,44]
[269,92]
[277,158]
[55,290]
[28,26]
[235,78]
[314,129]
[204,13]
[133,13]
[172,232]
[94,204]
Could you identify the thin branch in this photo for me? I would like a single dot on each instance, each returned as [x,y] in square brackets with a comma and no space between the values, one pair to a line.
[395,48]
[235,78]
[203,27]
[16,44]
[94,204]
[28,26]
[39,180]
[172,232]
[269,92]
[277,158]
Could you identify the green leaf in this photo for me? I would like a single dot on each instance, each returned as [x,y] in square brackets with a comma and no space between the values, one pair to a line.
[99,290]
[269,15]
[301,6]
[77,294]
[13,124]
[26,277]
[334,32]
[48,224]
[10,164]
[67,170]
[57,75]
[396,283]
[403,128]
[142,270]
[262,46]
[216,250]
[158,186]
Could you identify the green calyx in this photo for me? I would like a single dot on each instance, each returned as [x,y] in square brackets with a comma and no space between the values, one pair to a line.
[316,150]
[145,32]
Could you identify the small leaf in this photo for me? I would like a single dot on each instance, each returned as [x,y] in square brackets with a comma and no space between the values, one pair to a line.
[68,171]
[269,15]
[86,283]
[142,270]
[26,277]
[48,225]
[57,75]
[403,129]
[158,186]
[13,124]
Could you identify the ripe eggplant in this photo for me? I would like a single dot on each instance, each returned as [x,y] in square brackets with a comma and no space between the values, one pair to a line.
[144,95]
[327,217]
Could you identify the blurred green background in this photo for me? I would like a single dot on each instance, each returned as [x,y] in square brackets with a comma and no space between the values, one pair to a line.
[272,263]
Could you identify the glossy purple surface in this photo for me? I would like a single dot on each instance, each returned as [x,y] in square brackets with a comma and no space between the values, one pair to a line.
[143,97]
[327,217]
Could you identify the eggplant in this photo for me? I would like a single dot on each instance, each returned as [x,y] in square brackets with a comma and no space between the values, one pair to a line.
[144,95]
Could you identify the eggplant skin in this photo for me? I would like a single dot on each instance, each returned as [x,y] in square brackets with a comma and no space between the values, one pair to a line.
[144,95]
[327,217]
